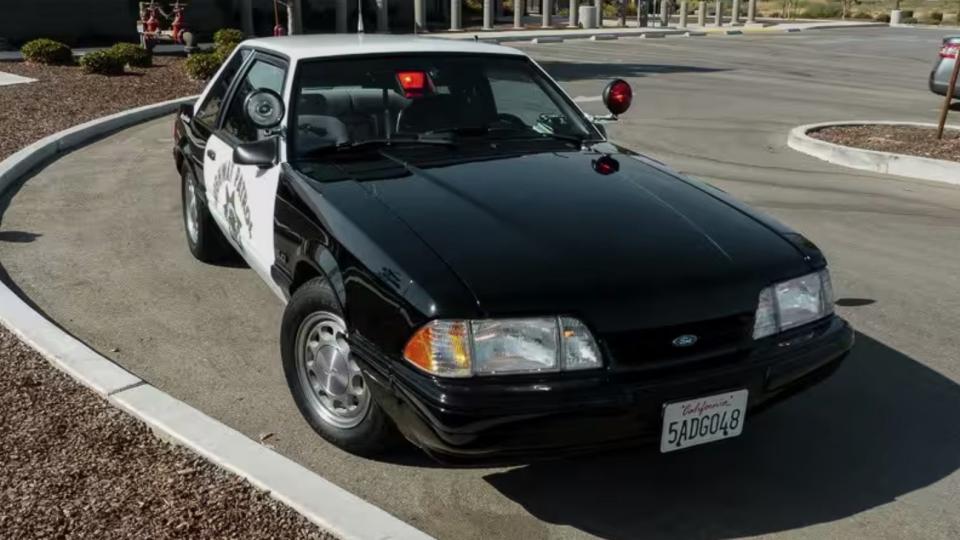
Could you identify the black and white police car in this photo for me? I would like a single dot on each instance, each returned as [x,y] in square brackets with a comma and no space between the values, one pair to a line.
[466,260]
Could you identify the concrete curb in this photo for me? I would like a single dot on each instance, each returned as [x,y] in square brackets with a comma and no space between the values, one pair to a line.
[936,170]
[325,504]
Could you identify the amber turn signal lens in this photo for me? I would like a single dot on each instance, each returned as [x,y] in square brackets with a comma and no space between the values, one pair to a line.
[441,348]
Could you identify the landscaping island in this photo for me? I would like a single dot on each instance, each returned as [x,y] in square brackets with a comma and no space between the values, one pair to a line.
[918,141]
[72,465]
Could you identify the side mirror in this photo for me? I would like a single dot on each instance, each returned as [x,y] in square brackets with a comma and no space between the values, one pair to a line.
[617,96]
[263,153]
[264,108]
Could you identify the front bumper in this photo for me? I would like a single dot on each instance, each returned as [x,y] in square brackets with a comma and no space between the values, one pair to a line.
[499,419]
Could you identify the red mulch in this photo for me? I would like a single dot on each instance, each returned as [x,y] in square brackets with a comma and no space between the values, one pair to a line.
[64,96]
[910,140]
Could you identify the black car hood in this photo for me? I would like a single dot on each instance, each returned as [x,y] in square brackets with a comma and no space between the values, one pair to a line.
[545,232]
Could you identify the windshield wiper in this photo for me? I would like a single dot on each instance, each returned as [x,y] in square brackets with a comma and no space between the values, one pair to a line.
[527,133]
[366,143]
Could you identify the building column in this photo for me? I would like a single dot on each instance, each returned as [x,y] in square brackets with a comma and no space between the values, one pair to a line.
[487,14]
[246,17]
[419,16]
[718,16]
[295,17]
[702,13]
[546,12]
[456,14]
[518,13]
[752,12]
[341,7]
[383,16]
[573,14]
[735,13]
[683,13]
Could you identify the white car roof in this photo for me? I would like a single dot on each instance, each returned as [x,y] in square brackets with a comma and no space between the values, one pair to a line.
[302,47]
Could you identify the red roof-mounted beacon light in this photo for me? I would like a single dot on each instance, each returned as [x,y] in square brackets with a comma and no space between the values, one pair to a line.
[413,82]
[617,96]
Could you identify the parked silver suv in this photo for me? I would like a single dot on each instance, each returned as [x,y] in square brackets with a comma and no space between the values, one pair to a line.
[940,76]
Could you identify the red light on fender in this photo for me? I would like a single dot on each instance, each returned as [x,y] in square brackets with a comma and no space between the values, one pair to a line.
[950,51]
[617,96]
[412,81]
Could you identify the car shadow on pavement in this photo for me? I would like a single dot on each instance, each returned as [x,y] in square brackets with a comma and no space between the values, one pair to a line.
[878,429]
[18,237]
[568,71]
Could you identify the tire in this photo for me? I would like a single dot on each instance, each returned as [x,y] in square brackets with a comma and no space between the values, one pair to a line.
[205,240]
[321,373]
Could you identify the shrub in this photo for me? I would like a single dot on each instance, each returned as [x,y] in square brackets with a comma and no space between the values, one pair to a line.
[908,20]
[935,17]
[822,11]
[883,17]
[47,51]
[133,55]
[103,62]
[202,66]
[226,36]
[862,15]
[906,13]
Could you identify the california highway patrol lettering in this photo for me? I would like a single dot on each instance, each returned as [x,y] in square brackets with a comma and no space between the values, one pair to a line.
[230,193]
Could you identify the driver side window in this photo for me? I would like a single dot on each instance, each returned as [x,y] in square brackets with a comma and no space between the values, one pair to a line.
[262,74]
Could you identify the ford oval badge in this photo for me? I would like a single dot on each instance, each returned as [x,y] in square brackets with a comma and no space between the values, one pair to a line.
[685,340]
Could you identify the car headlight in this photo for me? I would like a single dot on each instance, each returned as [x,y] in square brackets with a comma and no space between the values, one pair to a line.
[464,348]
[793,303]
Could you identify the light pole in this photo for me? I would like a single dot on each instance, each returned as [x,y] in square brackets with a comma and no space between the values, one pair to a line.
[359,16]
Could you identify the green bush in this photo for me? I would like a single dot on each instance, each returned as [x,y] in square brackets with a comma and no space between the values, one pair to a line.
[906,14]
[822,11]
[47,51]
[226,36]
[935,17]
[862,15]
[883,17]
[103,62]
[133,55]
[202,66]
[909,20]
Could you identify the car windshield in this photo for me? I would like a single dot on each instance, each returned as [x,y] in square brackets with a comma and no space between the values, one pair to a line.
[427,99]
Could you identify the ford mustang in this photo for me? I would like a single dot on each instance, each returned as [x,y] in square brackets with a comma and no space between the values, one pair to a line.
[468,262]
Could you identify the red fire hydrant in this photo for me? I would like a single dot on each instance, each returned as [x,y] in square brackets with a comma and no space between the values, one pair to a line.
[152,24]
[178,25]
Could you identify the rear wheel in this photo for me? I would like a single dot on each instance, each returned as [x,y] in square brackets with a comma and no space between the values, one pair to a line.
[327,384]
[204,238]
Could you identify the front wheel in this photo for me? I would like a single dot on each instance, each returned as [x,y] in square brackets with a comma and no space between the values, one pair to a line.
[326,382]
[204,238]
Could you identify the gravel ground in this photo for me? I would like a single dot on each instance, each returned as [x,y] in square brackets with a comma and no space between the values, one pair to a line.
[73,466]
[914,141]
[64,96]
[70,464]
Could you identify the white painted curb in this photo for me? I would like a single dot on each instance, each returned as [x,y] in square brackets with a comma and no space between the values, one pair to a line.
[937,170]
[332,508]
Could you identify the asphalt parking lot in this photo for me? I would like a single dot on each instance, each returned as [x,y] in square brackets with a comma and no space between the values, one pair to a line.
[95,241]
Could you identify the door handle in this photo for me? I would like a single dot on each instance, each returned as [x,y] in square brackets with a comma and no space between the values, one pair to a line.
[211,154]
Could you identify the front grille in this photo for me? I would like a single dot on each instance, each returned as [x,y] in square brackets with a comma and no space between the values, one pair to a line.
[653,347]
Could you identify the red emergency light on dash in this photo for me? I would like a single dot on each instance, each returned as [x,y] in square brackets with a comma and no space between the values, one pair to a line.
[414,83]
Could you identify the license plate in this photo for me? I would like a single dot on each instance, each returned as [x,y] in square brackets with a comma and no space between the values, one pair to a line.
[702,420]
